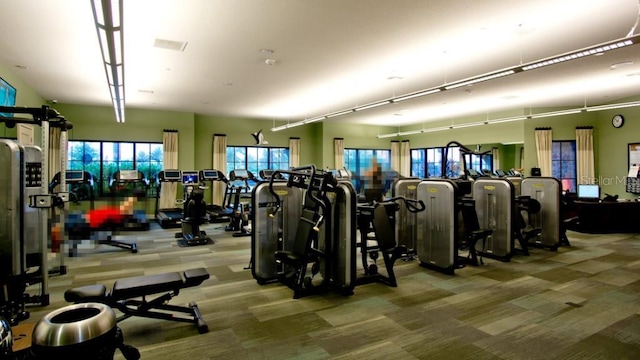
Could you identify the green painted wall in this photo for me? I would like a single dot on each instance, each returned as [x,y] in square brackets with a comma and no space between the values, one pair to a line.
[25,96]
[196,134]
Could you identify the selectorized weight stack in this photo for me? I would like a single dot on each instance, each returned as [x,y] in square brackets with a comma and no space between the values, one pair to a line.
[437,230]
[406,221]
[272,233]
[24,202]
[495,207]
[548,192]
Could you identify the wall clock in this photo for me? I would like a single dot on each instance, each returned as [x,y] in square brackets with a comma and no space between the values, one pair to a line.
[617,121]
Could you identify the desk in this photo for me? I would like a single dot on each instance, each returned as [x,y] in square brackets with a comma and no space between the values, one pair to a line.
[608,217]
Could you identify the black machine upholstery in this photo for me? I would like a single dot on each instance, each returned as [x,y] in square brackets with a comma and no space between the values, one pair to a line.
[195,214]
[472,231]
[526,208]
[301,254]
[126,293]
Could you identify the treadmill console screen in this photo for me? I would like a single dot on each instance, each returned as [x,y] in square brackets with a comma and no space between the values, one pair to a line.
[210,174]
[190,178]
[240,174]
[74,176]
[172,175]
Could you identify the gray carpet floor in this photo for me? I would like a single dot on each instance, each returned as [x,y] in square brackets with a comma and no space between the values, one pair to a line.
[581,302]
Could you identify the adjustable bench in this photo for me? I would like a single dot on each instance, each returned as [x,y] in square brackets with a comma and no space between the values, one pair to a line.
[130,296]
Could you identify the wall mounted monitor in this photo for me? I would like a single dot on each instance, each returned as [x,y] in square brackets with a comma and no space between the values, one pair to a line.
[588,192]
[7,96]
[190,178]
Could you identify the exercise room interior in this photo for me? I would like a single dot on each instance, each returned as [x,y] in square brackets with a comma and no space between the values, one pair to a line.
[337,179]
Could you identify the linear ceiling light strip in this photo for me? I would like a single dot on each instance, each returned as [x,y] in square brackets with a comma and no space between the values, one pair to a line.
[514,118]
[107,15]
[596,49]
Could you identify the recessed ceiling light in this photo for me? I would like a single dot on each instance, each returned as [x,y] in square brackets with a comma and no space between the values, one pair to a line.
[270,62]
[634,74]
[620,64]
[266,51]
[170,44]
[394,78]
[227,83]
[146,91]
[21,67]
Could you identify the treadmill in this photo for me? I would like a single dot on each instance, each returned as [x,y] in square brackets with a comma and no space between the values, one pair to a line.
[216,213]
[168,217]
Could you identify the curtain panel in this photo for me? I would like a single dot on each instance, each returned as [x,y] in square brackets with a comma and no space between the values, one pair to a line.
[219,163]
[544,143]
[294,152]
[338,153]
[405,158]
[169,190]
[585,159]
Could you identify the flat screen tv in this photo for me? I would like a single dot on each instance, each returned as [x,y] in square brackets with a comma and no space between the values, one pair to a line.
[588,192]
[7,96]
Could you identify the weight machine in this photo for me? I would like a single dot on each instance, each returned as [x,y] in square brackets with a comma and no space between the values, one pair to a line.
[25,198]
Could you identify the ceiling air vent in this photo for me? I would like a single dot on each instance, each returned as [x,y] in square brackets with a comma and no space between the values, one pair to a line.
[170,44]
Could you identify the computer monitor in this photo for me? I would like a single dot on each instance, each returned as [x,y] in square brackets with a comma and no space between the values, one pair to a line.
[190,178]
[588,192]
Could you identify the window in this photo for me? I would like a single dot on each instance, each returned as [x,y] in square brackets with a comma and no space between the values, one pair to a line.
[428,162]
[358,161]
[563,163]
[102,159]
[479,163]
[255,159]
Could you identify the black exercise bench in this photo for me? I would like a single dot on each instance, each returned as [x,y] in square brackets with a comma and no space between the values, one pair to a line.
[130,296]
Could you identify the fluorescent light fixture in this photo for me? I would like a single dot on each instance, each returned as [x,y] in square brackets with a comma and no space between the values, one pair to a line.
[598,49]
[372,105]
[388,135]
[509,119]
[556,113]
[480,79]
[593,50]
[415,95]
[315,119]
[613,106]
[287,126]
[107,15]
[339,113]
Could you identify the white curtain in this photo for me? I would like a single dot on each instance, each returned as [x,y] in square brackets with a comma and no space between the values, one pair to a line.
[169,190]
[405,158]
[584,156]
[495,158]
[220,164]
[395,156]
[543,150]
[294,152]
[55,162]
[338,153]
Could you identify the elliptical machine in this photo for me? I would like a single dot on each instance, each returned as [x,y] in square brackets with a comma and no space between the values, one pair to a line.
[239,217]
[194,212]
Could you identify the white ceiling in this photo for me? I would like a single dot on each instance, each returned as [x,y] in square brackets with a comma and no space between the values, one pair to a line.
[329,55]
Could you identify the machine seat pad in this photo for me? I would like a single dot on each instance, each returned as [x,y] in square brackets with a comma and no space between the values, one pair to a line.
[89,293]
[195,277]
[146,285]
